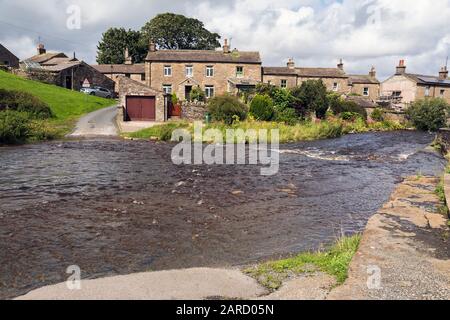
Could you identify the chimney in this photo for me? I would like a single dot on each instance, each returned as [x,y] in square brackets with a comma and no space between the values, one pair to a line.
[401,69]
[128,58]
[152,46]
[443,74]
[291,63]
[226,47]
[41,49]
[341,65]
[373,72]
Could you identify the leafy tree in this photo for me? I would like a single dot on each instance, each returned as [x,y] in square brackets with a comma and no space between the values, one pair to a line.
[261,107]
[227,108]
[311,96]
[428,114]
[174,31]
[197,94]
[111,49]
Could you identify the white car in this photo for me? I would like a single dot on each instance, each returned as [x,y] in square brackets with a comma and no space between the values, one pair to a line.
[98,91]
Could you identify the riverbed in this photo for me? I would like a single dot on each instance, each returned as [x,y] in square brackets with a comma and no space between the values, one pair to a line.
[117,207]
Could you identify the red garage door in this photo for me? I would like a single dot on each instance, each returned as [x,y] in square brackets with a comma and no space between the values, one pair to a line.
[141,108]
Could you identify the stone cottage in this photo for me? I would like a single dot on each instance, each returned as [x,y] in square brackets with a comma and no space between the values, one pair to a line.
[129,69]
[7,58]
[214,71]
[367,86]
[404,88]
[58,69]
[335,79]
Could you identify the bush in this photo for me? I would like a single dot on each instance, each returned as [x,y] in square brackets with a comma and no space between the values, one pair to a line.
[227,108]
[14,126]
[428,114]
[174,99]
[197,94]
[311,96]
[24,102]
[338,106]
[261,108]
[378,115]
[288,116]
[350,116]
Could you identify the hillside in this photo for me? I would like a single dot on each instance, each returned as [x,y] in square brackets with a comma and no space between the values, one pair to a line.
[65,104]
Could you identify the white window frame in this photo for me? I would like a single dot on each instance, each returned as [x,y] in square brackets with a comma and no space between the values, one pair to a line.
[366,93]
[189,71]
[336,86]
[283,83]
[209,71]
[239,74]
[427,91]
[167,88]
[209,91]
[167,71]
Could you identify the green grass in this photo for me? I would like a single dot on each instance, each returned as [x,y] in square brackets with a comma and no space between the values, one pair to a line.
[66,105]
[287,133]
[334,261]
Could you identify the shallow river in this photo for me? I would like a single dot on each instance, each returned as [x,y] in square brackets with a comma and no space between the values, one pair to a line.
[118,207]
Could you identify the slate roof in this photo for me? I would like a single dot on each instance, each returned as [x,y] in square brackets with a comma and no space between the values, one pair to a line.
[120,68]
[306,72]
[363,79]
[211,56]
[428,80]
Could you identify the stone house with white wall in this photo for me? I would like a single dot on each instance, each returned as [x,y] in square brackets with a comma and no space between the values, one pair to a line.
[367,86]
[404,88]
[215,71]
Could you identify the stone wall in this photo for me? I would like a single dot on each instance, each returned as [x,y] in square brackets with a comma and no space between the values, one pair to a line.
[193,111]
[443,138]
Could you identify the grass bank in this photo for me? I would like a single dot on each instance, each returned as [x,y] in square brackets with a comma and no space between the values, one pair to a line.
[334,261]
[66,105]
[332,128]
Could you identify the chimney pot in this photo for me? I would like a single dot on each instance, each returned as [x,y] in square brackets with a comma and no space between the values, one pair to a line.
[401,69]
[443,74]
[152,46]
[291,63]
[373,72]
[341,65]
[41,49]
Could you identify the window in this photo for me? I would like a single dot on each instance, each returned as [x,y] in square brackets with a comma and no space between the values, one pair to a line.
[189,71]
[366,92]
[335,86]
[442,93]
[427,91]
[6,63]
[284,83]
[127,75]
[209,91]
[210,71]
[167,88]
[239,72]
[143,77]
[167,71]
[397,94]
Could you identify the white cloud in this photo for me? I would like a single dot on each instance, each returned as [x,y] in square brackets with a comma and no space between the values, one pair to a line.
[315,33]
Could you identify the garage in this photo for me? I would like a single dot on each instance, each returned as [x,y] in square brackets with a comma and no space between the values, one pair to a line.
[141,108]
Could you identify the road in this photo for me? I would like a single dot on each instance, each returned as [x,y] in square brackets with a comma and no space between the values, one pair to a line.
[100,123]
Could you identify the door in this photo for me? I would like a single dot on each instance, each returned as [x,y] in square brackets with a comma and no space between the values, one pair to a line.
[68,82]
[187,92]
[141,108]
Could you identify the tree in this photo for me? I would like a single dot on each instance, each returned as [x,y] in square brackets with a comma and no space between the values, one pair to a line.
[174,31]
[111,49]
[311,96]
[428,114]
[261,108]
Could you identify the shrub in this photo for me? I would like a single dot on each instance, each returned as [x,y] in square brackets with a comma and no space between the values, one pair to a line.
[261,108]
[197,94]
[288,116]
[378,115]
[24,102]
[14,126]
[428,114]
[350,116]
[174,99]
[339,106]
[227,108]
[311,96]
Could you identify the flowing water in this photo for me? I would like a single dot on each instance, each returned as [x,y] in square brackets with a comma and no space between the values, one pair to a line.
[118,207]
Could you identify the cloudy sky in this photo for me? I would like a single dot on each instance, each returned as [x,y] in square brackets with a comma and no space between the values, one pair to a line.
[314,33]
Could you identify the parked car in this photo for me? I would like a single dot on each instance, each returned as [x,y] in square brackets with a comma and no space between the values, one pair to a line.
[99,92]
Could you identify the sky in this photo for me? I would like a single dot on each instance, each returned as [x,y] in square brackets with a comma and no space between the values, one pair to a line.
[364,33]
